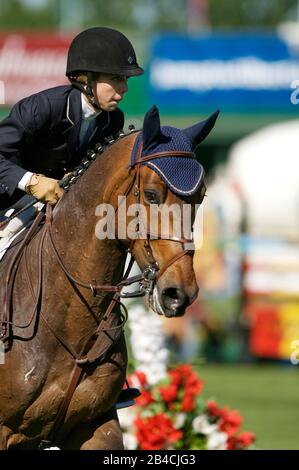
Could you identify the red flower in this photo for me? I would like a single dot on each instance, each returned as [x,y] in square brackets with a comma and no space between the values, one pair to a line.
[188,403]
[184,369]
[231,443]
[214,409]
[168,394]
[145,398]
[245,439]
[156,432]
[183,380]
[240,442]
[193,386]
[180,374]
[230,422]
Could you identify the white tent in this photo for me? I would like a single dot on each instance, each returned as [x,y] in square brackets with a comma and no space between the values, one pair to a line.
[264,169]
[260,184]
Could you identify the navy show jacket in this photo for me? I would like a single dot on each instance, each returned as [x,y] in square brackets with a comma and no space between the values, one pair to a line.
[41,134]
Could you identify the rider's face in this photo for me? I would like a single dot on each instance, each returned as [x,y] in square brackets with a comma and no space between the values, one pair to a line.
[109,90]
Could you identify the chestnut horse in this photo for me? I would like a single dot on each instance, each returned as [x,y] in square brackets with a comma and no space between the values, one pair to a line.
[62,326]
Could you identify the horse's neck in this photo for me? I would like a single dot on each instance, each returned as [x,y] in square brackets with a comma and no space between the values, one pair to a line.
[74,225]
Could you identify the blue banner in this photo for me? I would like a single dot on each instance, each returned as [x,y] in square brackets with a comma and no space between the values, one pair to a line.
[235,72]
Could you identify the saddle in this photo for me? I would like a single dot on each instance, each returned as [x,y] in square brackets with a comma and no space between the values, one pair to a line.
[8,268]
[7,244]
[14,220]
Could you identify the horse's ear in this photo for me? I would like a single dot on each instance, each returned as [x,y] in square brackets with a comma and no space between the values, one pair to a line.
[201,130]
[151,129]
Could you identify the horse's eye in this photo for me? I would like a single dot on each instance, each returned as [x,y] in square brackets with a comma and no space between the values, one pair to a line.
[151,196]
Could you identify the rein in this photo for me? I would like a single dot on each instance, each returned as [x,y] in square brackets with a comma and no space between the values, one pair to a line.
[99,343]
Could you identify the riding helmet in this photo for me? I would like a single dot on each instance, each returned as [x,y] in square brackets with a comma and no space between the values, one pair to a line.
[102,50]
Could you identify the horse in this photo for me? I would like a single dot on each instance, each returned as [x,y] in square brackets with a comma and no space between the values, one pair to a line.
[62,317]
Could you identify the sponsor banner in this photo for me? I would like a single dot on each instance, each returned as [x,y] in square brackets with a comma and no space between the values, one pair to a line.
[271,267]
[236,72]
[274,329]
[30,63]
[265,330]
[271,296]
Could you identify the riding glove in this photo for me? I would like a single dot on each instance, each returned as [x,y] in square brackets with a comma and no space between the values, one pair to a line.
[44,189]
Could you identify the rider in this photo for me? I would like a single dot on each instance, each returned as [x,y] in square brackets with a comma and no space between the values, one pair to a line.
[48,133]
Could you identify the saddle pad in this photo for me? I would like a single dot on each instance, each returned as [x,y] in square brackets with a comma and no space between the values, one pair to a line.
[6,243]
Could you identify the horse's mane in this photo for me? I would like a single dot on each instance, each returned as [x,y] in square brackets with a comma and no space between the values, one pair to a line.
[91,157]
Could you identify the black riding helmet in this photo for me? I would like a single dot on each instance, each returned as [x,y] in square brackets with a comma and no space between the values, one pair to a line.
[102,50]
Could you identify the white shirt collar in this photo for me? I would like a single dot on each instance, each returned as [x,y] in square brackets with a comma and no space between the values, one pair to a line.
[88,112]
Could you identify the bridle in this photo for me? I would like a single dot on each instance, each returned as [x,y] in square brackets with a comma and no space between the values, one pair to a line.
[99,343]
[147,279]
[152,273]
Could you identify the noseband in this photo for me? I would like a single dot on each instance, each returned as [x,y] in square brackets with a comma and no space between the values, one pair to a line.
[152,273]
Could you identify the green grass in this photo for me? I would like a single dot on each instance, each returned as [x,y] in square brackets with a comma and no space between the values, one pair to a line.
[266,396]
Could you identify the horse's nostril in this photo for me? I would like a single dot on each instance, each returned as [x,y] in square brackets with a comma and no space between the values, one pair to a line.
[173,298]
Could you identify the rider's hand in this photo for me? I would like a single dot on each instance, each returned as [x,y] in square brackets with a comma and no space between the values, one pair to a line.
[44,189]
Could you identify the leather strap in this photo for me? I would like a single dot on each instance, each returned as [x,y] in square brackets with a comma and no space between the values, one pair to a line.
[75,380]
[10,278]
[172,261]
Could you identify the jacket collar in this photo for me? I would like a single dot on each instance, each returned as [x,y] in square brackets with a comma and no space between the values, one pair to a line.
[73,107]
[73,115]
[88,112]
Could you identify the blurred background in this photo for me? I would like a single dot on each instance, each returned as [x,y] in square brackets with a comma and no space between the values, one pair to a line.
[242,57]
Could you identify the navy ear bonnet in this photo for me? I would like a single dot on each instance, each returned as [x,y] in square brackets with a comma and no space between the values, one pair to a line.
[183,175]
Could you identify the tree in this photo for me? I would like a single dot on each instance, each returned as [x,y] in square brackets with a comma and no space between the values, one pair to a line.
[249,13]
[16,14]
[142,16]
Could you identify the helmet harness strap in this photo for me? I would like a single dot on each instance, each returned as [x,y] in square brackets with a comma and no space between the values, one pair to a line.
[89,91]
[86,88]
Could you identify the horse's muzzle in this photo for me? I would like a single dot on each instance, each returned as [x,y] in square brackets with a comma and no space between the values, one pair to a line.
[174,301]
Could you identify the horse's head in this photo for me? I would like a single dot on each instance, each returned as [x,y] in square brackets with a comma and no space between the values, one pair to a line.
[167,184]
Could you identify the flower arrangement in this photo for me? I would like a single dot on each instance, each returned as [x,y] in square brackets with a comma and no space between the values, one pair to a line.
[173,415]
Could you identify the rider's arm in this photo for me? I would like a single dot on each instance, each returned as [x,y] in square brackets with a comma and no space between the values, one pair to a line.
[17,131]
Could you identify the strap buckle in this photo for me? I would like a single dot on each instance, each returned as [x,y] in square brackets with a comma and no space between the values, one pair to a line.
[149,278]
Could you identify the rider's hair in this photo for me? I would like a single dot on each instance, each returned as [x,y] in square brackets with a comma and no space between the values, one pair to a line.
[82,77]
[83,81]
